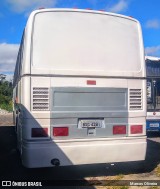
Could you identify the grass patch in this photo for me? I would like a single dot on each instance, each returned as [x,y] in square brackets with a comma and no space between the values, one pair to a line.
[107,182]
[7,106]
[157,171]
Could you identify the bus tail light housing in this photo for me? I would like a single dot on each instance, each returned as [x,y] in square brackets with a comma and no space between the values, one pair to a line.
[91,82]
[39,132]
[60,131]
[119,129]
[136,129]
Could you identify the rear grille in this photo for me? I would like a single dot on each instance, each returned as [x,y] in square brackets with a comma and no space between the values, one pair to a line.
[135,99]
[40,98]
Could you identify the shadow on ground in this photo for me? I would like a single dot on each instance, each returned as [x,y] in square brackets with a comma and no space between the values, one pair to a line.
[11,168]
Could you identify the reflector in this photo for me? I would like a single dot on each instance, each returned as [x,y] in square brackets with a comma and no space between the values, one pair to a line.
[91,82]
[60,131]
[136,129]
[119,129]
[39,132]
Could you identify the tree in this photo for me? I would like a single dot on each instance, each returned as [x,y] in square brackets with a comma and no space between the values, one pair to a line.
[5,93]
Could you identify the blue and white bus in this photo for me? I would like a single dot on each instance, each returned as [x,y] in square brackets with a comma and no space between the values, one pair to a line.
[153,93]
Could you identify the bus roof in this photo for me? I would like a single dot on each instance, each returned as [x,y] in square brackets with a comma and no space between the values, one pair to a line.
[81,10]
[152,58]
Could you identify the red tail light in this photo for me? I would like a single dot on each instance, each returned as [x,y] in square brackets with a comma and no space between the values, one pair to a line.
[39,132]
[91,82]
[60,131]
[119,129]
[136,129]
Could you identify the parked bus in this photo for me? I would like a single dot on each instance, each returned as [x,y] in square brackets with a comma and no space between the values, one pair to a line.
[80,89]
[153,93]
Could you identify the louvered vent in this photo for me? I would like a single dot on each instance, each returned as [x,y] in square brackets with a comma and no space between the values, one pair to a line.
[135,102]
[40,98]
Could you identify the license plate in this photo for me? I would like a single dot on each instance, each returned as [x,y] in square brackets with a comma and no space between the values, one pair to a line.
[91,123]
[154,124]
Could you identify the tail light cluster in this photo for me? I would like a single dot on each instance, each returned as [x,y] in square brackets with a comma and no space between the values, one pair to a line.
[60,131]
[121,129]
[43,132]
[39,132]
[64,131]
[136,129]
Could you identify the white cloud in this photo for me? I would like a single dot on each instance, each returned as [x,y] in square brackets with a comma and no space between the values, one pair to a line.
[9,77]
[21,6]
[153,51]
[121,6]
[155,24]
[8,55]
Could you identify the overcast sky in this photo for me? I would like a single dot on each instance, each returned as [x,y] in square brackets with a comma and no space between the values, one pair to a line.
[14,14]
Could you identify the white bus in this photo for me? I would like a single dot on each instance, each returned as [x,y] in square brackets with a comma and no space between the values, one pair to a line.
[80,89]
[153,93]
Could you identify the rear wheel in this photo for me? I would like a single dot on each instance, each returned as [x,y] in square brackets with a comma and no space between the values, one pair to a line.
[16,124]
[18,136]
[141,166]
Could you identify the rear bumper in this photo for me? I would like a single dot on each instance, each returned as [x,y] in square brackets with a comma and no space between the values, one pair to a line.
[81,151]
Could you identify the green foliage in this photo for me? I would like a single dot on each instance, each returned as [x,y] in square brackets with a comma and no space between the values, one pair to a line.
[5,94]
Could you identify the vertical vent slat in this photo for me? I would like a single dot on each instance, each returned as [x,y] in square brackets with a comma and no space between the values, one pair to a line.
[40,98]
[135,99]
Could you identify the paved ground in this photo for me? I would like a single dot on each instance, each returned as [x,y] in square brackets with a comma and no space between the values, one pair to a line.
[6,119]
[11,168]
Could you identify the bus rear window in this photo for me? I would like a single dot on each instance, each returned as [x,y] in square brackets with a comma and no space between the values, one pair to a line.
[85,42]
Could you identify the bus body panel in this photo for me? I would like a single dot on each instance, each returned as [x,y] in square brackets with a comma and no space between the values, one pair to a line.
[84,29]
[78,152]
[58,116]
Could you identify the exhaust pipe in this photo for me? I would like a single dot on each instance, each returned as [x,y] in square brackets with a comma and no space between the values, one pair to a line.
[55,162]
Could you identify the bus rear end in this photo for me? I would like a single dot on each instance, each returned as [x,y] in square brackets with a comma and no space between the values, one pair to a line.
[86,90]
